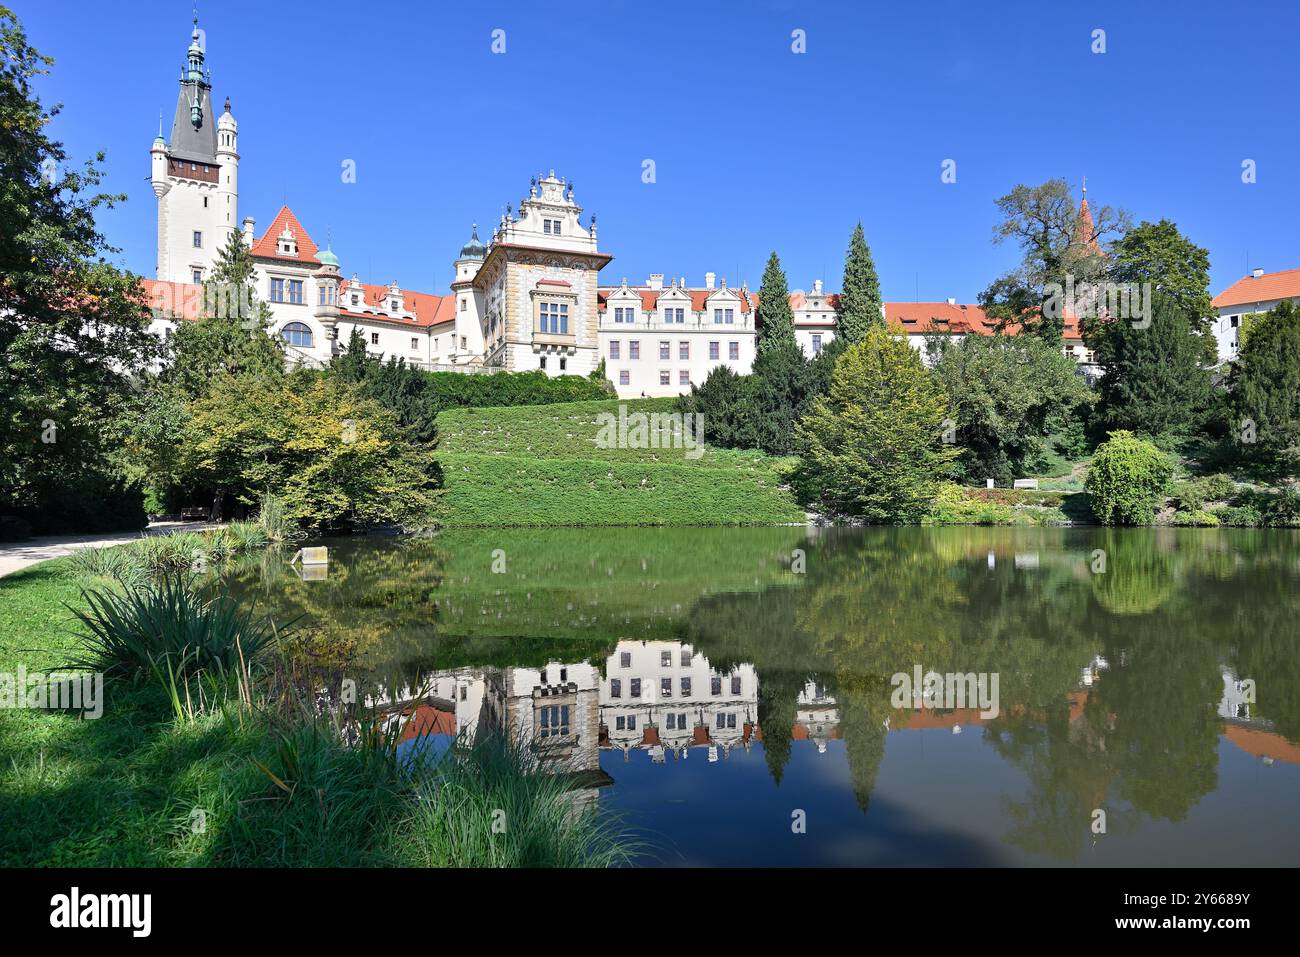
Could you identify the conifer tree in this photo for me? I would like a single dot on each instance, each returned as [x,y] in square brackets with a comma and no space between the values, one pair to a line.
[775,318]
[860,304]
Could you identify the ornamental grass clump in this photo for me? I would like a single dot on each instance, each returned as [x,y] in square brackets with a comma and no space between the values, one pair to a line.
[169,625]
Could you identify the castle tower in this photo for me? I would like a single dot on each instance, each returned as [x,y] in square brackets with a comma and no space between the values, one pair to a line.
[469,328]
[195,176]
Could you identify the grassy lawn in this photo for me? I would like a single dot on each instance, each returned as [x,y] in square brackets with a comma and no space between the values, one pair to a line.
[140,787]
[541,466]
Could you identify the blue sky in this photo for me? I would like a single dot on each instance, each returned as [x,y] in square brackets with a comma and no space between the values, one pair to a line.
[756,147]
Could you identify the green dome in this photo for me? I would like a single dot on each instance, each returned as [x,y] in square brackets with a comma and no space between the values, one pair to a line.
[473,249]
[327,258]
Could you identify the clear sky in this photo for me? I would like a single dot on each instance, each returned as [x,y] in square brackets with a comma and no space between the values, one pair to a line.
[756,147]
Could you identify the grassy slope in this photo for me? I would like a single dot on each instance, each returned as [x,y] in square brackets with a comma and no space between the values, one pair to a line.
[540,465]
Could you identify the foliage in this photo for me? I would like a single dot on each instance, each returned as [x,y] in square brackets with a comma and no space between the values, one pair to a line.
[454,389]
[1198,518]
[778,393]
[1126,480]
[860,303]
[1153,381]
[1265,391]
[775,319]
[1007,395]
[467,794]
[73,328]
[873,445]
[954,505]
[167,625]
[335,460]
[232,337]
[1159,256]
[724,399]
[403,390]
[1056,244]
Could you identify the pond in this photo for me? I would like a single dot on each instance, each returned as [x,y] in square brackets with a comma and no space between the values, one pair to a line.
[794,696]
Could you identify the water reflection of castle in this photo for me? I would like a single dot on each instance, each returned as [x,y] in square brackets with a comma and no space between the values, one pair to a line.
[666,699]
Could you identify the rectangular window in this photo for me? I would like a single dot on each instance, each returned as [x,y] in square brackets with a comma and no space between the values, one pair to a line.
[683,350]
[731,720]
[613,349]
[555,721]
[616,688]
[686,687]
[198,239]
[666,687]
[683,377]
[624,377]
[197,276]
[618,723]
[664,349]
[374,338]
[671,722]
[295,291]
[735,684]
[634,687]
[320,295]
[664,378]
[665,659]
[717,317]
[713,350]
[546,226]
[715,685]
[686,658]
[680,313]
[277,290]
[731,317]
[733,350]
[542,363]
[415,343]
[625,659]
[817,345]
[721,720]
[554,318]
[631,722]
[634,349]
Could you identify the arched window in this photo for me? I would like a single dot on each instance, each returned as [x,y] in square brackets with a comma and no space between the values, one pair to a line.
[297,334]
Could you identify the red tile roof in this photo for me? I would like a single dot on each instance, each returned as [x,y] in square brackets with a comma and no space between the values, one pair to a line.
[1248,291]
[650,297]
[267,246]
[429,309]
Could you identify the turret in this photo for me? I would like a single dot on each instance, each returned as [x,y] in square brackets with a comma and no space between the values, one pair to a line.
[228,182]
[327,294]
[158,163]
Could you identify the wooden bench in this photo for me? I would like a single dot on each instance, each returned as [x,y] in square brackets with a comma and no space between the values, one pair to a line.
[193,512]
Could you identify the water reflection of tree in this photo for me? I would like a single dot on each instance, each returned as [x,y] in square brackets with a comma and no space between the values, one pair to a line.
[1166,615]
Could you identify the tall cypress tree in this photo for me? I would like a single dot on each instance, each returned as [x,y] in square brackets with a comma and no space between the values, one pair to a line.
[860,305]
[775,318]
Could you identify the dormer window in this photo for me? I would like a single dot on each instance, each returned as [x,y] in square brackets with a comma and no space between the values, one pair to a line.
[551,227]
[393,305]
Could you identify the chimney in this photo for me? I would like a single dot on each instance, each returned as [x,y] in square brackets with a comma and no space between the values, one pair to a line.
[952,301]
[709,279]
[817,287]
[656,280]
[249,223]
[1257,273]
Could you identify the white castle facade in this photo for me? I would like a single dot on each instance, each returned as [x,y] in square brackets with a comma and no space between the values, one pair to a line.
[528,299]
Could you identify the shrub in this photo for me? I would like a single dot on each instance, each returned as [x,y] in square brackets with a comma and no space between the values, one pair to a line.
[1195,519]
[1219,487]
[1126,480]
[167,625]
[1238,516]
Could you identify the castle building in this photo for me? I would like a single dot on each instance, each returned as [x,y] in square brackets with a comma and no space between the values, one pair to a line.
[528,299]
